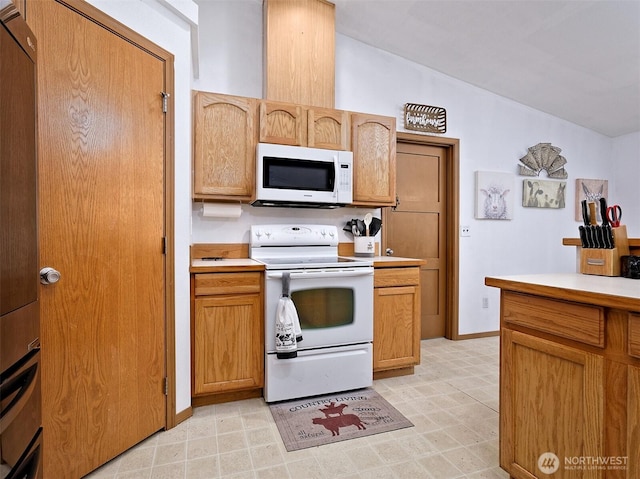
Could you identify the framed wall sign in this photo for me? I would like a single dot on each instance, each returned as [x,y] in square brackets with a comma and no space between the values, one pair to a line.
[432,119]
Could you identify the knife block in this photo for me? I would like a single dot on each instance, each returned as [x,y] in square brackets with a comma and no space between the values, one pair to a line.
[605,262]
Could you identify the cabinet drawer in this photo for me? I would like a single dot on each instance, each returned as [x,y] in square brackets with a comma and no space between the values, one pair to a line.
[634,335]
[576,321]
[227,283]
[388,277]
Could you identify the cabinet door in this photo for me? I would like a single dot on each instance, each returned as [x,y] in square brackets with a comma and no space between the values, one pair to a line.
[551,402]
[282,123]
[327,128]
[633,422]
[373,141]
[228,343]
[224,146]
[396,337]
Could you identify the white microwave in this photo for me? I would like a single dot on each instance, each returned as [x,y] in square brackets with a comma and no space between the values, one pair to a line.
[303,177]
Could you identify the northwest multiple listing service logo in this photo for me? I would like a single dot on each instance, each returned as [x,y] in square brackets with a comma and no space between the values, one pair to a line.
[549,463]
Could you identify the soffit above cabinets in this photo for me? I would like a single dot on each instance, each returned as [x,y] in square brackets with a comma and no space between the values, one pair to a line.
[300,52]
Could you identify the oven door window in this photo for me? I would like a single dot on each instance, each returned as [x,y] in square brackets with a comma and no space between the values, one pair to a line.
[291,174]
[322,308]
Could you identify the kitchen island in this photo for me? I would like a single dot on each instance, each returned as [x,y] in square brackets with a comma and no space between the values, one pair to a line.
[569,376]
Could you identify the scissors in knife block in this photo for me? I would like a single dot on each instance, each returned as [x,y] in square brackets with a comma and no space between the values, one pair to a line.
[614,215]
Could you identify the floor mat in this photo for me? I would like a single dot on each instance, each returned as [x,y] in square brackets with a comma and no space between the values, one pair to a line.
[335,417]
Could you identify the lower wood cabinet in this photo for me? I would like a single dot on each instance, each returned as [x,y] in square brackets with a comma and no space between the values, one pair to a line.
[227,333]
[551,401]
[396,323]
[573,391]
[633,422]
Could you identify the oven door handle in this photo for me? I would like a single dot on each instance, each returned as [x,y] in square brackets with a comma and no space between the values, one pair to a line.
[325,274]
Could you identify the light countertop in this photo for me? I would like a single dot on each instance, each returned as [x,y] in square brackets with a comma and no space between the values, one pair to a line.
[247,264]
[614,292]
[225,265]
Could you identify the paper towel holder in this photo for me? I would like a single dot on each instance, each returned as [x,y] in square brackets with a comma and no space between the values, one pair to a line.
[221,209]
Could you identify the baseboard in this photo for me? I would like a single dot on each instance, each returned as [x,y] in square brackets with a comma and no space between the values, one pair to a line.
[183,415]
[486,334]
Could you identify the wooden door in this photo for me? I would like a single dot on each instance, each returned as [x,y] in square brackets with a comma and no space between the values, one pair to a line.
[101,204]
[416,228]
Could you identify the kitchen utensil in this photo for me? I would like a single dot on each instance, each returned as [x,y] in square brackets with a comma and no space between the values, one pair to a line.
[592,214]
[367,222]
[583,236]
[607,234]
[352,227]
[614,215]
[375,226]
[593,226]
[585,228]
[360,226]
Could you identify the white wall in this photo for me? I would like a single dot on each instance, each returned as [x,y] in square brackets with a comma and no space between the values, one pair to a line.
[625,163]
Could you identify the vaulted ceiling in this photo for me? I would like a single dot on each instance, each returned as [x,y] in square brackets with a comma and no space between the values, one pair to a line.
[575,59]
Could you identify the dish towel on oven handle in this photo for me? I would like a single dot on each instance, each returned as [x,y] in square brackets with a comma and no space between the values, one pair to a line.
[288,332]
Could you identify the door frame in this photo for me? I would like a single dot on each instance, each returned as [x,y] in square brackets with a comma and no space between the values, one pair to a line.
[452,215]
[100,18]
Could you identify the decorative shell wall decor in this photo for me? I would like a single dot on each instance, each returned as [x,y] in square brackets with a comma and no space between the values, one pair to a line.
[543,156]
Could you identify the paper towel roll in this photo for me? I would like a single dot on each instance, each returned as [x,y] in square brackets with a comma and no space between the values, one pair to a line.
[221,210]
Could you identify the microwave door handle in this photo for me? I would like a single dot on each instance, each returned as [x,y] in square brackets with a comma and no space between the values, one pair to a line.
[336,175]
[325,274]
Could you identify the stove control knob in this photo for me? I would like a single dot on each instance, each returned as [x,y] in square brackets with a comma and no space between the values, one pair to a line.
[323,233]
[258,233]
[268,233]
[331,233]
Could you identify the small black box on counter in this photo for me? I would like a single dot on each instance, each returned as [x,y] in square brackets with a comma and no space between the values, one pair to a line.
[630,266]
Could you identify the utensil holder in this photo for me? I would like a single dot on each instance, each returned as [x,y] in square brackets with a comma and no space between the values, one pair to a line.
[605,262]
[364,246]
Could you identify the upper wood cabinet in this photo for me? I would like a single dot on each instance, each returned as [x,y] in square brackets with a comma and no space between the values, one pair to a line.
[282,123]
[328,128]
[293,124]
[225,136]
[227,129]
[373,142]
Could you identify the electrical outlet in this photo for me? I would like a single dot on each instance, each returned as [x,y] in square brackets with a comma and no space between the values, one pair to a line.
[465,230]
[485,302]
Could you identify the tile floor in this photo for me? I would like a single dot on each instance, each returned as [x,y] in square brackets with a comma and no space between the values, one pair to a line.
[452,399]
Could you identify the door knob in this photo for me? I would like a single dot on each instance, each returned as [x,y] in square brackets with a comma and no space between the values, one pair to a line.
[389,252]
[49,275]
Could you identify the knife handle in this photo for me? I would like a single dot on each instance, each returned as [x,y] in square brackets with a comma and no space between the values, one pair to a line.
[585,212]
[603,211]
[592,213]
